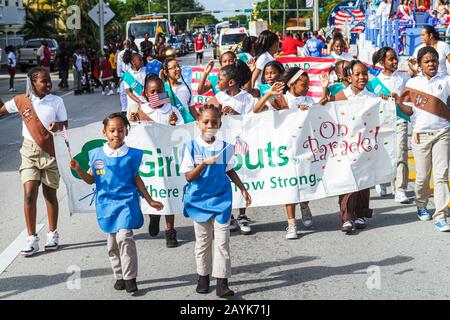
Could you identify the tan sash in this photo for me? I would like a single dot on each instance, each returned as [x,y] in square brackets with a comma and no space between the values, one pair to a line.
[143,116]
[340,96]
[40,134]
[426,102]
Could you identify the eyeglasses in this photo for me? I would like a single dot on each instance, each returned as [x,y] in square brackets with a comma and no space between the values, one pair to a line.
[174,67]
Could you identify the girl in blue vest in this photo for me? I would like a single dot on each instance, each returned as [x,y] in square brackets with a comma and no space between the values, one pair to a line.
[118,200]
[208,163]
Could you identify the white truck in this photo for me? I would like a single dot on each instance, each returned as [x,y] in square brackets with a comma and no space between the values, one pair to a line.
[26,55]
[140,25]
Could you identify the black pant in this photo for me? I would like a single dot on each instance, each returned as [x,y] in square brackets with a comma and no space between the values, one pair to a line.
[64,74]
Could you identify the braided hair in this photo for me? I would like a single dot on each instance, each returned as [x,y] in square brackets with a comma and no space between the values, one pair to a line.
[32,76]
[166,78]
[114,115]
[426,50]
[239,72]
[380,55]
[210,107]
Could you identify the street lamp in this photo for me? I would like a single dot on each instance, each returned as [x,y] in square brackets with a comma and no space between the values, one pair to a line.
[168,14]
[270,15]
[284,18]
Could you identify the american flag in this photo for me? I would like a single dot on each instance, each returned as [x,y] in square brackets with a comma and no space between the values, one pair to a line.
[241,147]
[347,13]
[65,136]
[156,100]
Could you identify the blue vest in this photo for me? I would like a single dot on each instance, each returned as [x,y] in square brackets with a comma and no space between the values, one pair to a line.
[117,199]
[210,194]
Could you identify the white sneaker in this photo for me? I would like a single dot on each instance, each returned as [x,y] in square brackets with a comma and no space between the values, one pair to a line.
[233,225]
[31,247]
[243,223]
[52,241]
[110,93]
[103,93]
[291,231]
[400,196]
[12,90]
[381,190]
[306,217]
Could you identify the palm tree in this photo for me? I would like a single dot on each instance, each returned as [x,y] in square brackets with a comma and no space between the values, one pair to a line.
[39,23]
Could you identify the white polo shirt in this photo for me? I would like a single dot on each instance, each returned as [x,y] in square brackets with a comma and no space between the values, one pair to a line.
[140,77]
[362,95]
[294,102]
[242,103]
[183,94]
[48,109]
[438,86]
[162,115]
[261,62]
[443,50]
[188,164]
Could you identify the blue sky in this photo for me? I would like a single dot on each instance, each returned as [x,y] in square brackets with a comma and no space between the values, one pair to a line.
[226,4]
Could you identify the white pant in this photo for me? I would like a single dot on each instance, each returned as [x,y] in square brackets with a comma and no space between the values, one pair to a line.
[123,96]
[400,181]
[432,152]
[122,254]
[220,267]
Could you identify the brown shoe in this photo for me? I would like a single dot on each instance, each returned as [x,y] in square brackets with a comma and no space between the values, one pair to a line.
[222,289]
[203,284]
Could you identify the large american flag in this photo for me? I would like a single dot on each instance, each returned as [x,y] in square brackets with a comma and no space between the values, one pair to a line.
[347,13]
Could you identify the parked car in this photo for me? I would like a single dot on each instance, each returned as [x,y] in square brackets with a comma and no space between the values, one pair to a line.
[189,42]
[177,45]
[27,53]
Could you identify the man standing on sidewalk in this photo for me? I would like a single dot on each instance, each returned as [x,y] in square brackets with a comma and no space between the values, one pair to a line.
[199,47]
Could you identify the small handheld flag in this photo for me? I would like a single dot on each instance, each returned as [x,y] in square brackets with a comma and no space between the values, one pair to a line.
[241,147]
[66,140]
[156,100]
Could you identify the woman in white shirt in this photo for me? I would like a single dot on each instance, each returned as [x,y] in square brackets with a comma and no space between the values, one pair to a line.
[430,38]
[265,48]
[424,100]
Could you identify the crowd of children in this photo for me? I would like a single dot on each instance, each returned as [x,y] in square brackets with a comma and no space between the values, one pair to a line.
[256,83]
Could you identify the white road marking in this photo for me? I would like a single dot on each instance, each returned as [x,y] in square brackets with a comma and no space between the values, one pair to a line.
[66,94]
[13,250]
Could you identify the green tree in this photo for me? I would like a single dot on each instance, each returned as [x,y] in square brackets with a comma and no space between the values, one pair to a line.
[205,19]
[39,23]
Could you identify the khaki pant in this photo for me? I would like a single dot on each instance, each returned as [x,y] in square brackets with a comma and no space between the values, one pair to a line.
[218,266]
[432,153]
[400,181]
[122,254]
[38,165]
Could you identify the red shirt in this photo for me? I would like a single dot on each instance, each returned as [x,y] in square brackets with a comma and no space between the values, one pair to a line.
[199,44]
[290,45]
[47,56]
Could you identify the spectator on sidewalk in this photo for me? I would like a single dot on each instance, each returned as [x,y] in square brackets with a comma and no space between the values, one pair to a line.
[62,64]
[12,63]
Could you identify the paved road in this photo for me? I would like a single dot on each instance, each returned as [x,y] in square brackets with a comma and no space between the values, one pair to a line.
[396,257]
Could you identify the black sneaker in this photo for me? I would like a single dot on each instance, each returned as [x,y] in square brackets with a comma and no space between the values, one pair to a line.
[119,285]
[171,238]
[131,285]
[153,226]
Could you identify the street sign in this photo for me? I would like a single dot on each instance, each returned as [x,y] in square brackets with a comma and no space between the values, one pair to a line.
[108,14]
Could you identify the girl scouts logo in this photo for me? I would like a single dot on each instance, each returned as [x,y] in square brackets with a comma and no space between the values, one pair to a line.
[99,167]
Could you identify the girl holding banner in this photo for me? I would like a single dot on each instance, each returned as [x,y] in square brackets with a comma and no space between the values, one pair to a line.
[42,113]
[134,80]
[179,92]
[211,81]
[424,99]
[354,206]
[391,81]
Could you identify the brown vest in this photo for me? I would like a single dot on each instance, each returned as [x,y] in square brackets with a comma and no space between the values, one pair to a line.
[426,102]
[40,134]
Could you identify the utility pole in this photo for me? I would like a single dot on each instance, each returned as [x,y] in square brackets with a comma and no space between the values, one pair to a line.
[148,5]
[297,12]
[316,15]
[168,14]
[101,20]
[270,15]
[284,18]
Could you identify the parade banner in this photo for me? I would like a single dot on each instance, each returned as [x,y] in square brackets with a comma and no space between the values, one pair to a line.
[293,155]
